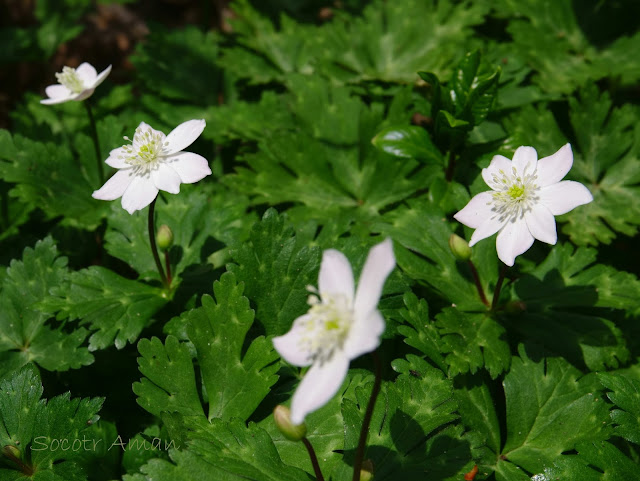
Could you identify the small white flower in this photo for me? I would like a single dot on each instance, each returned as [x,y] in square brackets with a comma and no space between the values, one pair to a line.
[337,328]
[75,84]
[154,162]
[527,194]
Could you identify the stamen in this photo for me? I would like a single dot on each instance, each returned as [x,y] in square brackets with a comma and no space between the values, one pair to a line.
[515,195]
[70,79]
[145,149]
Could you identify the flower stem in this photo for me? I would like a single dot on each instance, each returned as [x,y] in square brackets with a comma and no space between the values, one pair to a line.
[476,280]
[496,293]
[152,241]
[314,459]
[364,432]
[96,142]
[167,264]
[451,165]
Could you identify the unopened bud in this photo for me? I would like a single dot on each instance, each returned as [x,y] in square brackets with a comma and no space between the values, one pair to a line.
[366,473]
[12,452]
[459,247]
[164,237]
[515,307]
[282,417]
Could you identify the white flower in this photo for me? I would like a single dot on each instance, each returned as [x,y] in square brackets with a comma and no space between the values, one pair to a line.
[527,194]
[154,162]
[75,84]
[337,328]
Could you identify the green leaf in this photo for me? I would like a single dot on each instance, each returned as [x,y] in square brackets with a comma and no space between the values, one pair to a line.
[164,62]
[276,271]
[196,216]
[625,394]
[551,407]
[328,163]
[117,309]
[223,451]
[473,341]
[413,409]
[422,233]
[596,461]
[48,176]
[569,306]
[41,428]
[407,141]
[235,382]
[421,334]
[25,334]
[14,212]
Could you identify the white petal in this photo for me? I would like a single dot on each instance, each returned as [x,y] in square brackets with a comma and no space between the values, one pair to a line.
[103,75]
[165,178]
[139,194]
[486,229]
[291,346]
[115,186]
[379,264]
[552,169]
[525,158]
[58,91]
[319,385]
[336,276]
[58,94]
[498,164]
[364,334]
[513,240]
[87,74]
[114,161]
[184,135]
[564,196]
[477,211]
[189,166]
[85,94]
[542,224]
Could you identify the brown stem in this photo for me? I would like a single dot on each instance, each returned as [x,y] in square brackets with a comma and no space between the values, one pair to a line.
[496,292]
[448,174]
[314,459]
[364,432]
[96,142]
[152,240]
[476,280]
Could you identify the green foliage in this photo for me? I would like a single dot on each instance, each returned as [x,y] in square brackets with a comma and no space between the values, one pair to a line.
[235,381]
[116,308]
[551,407]
[624,394]
[37,429]
[51,178]
[222,450]
[276,270]
[25,333]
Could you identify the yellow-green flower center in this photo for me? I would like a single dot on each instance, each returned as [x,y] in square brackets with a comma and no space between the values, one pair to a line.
[143,153]
[70,79]
[515,191]
[514,194]
[326,326]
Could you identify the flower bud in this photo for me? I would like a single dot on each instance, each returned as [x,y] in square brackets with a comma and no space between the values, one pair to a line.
[459,247]
[515,307]
[282,417]
[11,452]
[164,237]
[366,473]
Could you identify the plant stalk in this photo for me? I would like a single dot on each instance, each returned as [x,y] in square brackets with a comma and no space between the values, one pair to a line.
[167,264]
[152,241]
[476,280]
[314,459]
[96,142]
[496,292]
[366,422]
